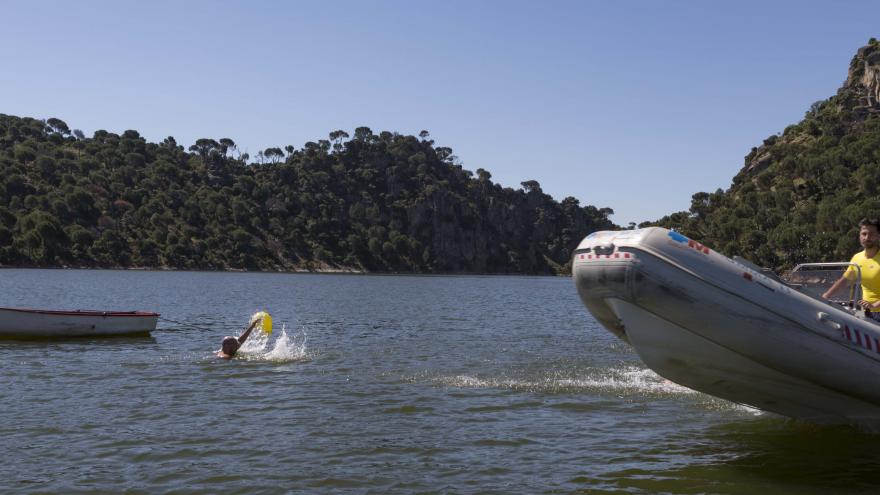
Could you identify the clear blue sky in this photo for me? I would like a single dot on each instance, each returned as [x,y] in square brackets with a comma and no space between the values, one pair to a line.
[629,105]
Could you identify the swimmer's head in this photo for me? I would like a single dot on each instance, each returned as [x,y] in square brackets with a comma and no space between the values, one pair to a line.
[230,345]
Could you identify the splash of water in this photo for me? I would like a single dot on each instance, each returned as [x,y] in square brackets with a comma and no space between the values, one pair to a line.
[629,380]
[283,349]
[622,382]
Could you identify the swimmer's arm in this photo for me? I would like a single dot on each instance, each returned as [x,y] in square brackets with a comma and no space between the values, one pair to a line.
[247,332]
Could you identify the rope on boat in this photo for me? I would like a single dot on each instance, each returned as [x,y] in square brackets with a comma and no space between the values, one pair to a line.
[183,324]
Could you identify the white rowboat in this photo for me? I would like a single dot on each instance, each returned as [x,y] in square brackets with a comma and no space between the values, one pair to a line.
[24,323]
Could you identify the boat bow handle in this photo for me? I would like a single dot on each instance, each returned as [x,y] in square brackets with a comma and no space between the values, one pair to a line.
[826,319]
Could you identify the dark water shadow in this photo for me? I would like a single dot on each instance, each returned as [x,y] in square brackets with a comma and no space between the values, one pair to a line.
[766,455]
[828,458]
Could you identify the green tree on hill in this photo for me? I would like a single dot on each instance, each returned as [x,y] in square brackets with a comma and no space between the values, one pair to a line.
[385,202]
[800,195]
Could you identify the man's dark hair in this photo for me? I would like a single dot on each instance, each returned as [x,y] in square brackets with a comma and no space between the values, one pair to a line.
[230,345]
[870,221]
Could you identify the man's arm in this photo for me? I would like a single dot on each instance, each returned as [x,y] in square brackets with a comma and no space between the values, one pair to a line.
[247,332]
[841,282]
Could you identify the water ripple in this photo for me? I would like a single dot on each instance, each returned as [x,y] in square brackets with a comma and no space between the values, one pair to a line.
[377,385]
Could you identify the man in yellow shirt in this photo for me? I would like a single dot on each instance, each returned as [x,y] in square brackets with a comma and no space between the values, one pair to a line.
[869,263]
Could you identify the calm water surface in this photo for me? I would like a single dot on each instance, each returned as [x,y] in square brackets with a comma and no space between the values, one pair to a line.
[377,384]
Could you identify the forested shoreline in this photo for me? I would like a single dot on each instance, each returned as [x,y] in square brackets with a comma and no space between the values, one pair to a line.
[362,202]
[397,203]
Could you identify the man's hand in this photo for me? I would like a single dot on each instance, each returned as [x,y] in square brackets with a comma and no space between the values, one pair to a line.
[867,305]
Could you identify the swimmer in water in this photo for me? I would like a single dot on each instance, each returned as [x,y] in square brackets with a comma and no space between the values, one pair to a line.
[231,344]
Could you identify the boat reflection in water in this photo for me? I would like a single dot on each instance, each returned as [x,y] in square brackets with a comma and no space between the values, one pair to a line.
[727,328]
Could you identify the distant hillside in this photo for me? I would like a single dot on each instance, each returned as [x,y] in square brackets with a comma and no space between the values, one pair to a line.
[801,193]
[383,202]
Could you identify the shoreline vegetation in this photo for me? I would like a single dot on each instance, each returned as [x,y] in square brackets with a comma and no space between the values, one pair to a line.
[228,270]
[304,271]
[361,203]
[399,204]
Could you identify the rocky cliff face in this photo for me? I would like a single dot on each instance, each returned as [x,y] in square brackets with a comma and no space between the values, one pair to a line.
[863,79]
[801,194]
[858,98]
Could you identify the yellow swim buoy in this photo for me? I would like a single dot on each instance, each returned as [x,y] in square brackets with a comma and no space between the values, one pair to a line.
[265,321]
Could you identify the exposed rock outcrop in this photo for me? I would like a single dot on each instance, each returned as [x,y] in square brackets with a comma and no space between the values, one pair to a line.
[863,78]
[859,97]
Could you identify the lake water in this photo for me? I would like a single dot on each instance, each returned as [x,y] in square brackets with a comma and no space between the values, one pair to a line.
[377,384]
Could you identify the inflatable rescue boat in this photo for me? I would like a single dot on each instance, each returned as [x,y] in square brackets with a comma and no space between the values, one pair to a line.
[727,328]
